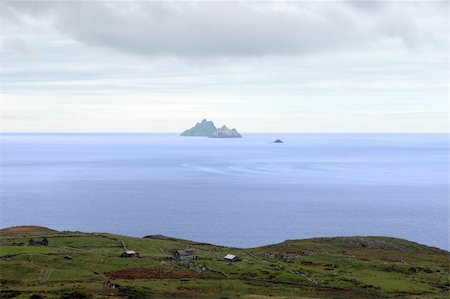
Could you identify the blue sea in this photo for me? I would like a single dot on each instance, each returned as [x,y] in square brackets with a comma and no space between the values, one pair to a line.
[236,192]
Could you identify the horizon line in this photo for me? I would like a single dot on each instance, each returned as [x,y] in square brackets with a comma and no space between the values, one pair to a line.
[251,132]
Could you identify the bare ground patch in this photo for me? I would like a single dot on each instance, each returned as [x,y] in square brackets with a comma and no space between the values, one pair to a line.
[143,273]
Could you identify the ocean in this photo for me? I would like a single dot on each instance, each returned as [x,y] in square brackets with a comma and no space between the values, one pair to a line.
[242,192]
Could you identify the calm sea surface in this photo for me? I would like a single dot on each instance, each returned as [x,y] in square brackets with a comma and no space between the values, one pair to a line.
[237,192]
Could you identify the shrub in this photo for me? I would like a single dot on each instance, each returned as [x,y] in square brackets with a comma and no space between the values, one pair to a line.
[76,295]
[133,293]
[9,293]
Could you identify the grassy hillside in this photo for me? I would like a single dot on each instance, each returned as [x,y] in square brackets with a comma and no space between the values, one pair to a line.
[346,267]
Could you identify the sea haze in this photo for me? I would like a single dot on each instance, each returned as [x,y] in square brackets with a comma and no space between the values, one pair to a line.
[237,192]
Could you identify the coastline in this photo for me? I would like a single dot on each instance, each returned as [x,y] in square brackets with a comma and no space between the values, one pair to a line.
[99,265]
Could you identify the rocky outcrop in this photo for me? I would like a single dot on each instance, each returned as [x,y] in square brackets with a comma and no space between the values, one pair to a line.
[208,129]
[205,128]
[224,132]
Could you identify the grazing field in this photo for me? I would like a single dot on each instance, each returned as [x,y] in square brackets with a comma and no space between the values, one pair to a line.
[88,265]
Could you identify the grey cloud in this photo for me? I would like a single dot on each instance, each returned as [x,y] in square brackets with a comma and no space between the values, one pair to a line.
[223,29]
[14,46]
[368,6]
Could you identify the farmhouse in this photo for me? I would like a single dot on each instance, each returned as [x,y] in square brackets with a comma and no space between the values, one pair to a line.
[232,258]
[41,242]
[187,254]
[130,253]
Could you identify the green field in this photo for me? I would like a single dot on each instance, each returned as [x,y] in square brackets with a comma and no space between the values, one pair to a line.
[347,267]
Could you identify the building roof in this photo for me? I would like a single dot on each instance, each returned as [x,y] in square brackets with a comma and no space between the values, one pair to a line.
[230,256]
[130,252]
[185,252]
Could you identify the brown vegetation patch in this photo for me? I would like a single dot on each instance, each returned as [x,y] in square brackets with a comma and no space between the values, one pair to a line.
[8,282]
[143,273]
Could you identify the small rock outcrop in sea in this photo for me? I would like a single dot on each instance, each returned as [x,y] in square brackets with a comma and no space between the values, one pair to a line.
[208,129]
[278,141]
[224,132]
[205,128]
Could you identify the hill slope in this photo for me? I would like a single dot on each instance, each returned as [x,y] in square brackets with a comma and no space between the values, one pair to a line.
[86,265]
[26,230]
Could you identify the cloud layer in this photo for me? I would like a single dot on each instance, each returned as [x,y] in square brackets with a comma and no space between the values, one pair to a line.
[328,66]
[212,29]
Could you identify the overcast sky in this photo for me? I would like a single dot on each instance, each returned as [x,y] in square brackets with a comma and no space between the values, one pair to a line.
[360,66]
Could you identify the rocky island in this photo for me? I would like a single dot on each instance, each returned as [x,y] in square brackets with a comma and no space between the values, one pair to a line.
[224,132]
[208,129]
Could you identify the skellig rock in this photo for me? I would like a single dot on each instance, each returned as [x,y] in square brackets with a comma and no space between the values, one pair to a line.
[208,129]
[224,132]
[205,128]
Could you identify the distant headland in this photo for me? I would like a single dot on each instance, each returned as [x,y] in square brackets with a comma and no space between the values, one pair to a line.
[208,129]
[38,262]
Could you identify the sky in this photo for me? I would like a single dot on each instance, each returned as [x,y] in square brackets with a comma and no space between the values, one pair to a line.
[147,66]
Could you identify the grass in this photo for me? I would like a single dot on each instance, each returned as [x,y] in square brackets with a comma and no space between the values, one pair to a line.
[351,267]
[11,250]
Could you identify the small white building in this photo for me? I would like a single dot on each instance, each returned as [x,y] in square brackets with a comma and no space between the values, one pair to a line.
[130,253]
[232,258]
